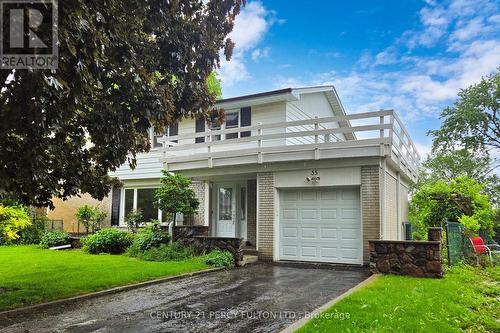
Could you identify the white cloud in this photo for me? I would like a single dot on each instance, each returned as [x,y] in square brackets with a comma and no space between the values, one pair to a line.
[418,81]
[258,53]
[250,28]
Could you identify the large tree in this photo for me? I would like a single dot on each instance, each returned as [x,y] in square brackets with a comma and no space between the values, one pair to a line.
[473,122]
[447,165]
[124,66]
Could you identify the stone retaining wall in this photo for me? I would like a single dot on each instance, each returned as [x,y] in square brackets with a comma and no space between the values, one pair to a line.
[415,258]
[197,237]
[188,231]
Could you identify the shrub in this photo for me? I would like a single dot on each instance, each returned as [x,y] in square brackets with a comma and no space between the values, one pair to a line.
[33,233]
[167,252]
[149,237]
[220,258]
[12,220]
[55,238]
[108,240]
[133,219]
[91,217]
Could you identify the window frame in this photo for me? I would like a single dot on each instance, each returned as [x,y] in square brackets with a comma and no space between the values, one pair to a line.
[134,205]
[165,133]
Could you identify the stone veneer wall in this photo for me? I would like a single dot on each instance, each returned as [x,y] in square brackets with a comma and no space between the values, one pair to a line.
[415,258]
[199,191]
[197,236]
[265,215]
[185,231]
[370,206]
[252,212]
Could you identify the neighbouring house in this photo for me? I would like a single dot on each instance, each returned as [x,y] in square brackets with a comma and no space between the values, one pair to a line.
[288,171]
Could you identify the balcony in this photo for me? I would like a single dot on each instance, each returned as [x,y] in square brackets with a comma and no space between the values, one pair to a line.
[369,134]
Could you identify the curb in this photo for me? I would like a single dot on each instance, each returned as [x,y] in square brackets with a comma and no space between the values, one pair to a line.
[115,290]
[301,322]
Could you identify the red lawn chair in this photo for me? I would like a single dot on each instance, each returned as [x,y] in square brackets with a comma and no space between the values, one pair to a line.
[481,248]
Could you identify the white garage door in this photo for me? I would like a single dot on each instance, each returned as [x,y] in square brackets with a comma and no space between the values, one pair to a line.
[320,225]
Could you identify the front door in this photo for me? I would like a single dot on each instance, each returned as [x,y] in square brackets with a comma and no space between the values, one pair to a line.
[226,210]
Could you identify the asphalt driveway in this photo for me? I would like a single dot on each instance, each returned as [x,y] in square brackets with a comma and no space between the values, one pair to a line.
[256,298]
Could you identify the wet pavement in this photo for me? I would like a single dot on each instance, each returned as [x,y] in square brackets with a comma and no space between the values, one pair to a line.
[255,298]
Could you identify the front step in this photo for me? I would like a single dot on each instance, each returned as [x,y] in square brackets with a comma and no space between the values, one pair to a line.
[248,259]
[250,251]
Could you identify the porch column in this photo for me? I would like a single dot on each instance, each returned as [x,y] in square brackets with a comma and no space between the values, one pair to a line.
[265,215]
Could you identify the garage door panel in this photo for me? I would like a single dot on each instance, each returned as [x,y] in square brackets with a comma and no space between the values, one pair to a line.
[309,233]
[290,232]
[320,225]
[328,214]
[349,214]
[329,253]
[349,234]
[309,214]
[328,233]
[328,195]
[309,251]
[352,254]
[290,214]
[348,195]
[290,251]
[290,196]
[308,195]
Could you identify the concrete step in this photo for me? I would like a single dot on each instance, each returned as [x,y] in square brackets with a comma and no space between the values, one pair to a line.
[250,251]
[248,259]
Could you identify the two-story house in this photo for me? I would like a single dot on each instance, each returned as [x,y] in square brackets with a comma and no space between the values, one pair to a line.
[288,171]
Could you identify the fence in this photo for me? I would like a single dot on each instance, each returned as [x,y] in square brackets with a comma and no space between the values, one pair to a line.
[458,244]
[54,225]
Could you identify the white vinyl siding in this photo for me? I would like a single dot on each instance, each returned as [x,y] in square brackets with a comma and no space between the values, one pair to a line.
[310,106]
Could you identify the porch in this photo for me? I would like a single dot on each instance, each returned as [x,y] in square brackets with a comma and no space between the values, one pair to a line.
[363,135]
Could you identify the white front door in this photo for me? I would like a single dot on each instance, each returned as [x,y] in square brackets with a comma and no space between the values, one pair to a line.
[226,210]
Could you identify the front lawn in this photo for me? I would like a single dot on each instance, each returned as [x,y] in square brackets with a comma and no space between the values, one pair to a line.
[466,299]
[30,275]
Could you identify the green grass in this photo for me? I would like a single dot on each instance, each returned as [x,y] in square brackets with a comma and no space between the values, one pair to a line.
[32,275]
[465,300]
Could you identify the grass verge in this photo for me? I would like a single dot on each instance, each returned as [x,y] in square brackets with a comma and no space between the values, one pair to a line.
[30,275]
[466,299]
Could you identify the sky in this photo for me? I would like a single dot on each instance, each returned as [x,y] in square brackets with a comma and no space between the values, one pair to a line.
[412,56]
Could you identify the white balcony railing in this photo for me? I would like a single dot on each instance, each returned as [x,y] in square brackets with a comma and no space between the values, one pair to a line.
[259,142]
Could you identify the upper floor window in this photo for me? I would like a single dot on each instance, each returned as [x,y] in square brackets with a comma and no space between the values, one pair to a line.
[232,121]
[172,130]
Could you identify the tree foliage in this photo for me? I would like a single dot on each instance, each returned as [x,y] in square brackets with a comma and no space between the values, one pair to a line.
[175,196]
[124,66]
[91,217]
[473,122]
[446,165]
[459,199]
[12,220]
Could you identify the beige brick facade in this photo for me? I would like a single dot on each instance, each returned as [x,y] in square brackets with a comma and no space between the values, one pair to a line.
[199,191]
[265,215]
[370,203]
[391,207]
[66,209]
[252,211]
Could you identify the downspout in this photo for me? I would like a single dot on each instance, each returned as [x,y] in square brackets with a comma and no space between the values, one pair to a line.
[382,198]
[398,205]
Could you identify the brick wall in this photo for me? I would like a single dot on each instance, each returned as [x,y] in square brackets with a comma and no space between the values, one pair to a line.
[66,210]
[370,202]
[252,211]
[199,217]
[391,207]
[265,214]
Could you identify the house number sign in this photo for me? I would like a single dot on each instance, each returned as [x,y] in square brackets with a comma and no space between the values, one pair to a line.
[314,177]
